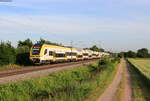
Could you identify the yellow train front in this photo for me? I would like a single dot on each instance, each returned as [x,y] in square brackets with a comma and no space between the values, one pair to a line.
[45,53]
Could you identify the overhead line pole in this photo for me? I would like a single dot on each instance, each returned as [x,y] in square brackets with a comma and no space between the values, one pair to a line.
[71,48]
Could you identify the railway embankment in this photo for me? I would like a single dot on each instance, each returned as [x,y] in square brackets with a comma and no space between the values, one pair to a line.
[68,85]
[25,73]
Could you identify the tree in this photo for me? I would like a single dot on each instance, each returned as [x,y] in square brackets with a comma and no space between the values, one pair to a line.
[42,41]
[23,55]
[7,53]
[131,54]
[121,54]
[26,42]
[95,48]
[23,50]
[143,53]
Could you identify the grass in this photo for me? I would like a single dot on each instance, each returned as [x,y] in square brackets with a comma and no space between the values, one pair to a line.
[68,85]
[9,66]
[106,78]
[139,70]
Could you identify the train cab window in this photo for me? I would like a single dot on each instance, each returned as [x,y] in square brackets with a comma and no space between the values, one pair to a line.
[51,53]
[35,51]
[45,52]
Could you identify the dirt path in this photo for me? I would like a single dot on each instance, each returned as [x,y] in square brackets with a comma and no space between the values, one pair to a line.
[110,92]
[127,93]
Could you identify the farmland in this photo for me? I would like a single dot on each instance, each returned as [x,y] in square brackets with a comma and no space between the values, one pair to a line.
[140,75]
[143,65]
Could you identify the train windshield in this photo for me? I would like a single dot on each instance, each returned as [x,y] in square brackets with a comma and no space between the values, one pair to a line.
[36,49]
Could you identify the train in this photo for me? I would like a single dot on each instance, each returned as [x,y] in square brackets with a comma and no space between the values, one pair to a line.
[45,53]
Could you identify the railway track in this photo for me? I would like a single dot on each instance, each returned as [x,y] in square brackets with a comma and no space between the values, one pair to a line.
[12,75]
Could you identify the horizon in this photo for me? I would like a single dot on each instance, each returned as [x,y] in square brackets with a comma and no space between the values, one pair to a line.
[80,47]
[113,25]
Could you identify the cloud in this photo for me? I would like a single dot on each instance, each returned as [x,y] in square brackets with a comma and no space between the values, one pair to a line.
[71,25]
[117,22]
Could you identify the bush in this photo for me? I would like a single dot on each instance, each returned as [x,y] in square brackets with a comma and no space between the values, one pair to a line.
[104,61]
[7,53]
[115,60]
[22,56]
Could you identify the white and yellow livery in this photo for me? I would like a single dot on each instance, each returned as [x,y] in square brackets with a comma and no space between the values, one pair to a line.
[45,53]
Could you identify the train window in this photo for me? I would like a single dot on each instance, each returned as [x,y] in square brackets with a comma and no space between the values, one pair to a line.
[51,53]
[60,55]
[45,52]
[71,54]
[74,54]
[85,54]
[35,51]
[80,56]
[67,53]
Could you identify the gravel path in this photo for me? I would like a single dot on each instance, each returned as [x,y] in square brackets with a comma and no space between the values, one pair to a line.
[36,74]
[110,92]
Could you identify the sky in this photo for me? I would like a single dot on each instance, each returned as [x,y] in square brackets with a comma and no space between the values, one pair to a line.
[116,25]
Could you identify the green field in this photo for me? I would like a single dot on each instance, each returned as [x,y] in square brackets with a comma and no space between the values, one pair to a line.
[143,65]
[140,76]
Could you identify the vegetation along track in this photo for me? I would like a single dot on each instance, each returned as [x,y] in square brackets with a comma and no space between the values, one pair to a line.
[12,75]
[111,93]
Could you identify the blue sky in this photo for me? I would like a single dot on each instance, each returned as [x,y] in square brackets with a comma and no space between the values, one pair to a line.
[117,24]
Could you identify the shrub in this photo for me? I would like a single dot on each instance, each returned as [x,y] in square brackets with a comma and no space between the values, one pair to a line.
[7,53]
[22,56]
[104,61]
[115,60]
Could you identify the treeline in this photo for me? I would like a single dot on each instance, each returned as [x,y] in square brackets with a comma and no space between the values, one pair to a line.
[141,53]
[95,48]
[19,55]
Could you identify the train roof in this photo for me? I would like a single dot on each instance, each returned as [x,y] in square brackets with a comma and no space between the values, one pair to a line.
[54,46]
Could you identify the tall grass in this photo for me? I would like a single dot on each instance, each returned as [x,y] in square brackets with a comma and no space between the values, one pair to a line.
[10,66]
[68,85]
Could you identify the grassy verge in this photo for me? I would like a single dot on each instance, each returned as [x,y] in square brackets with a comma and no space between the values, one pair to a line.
[9,66]
[106,78]
[68,85]
[140,85]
